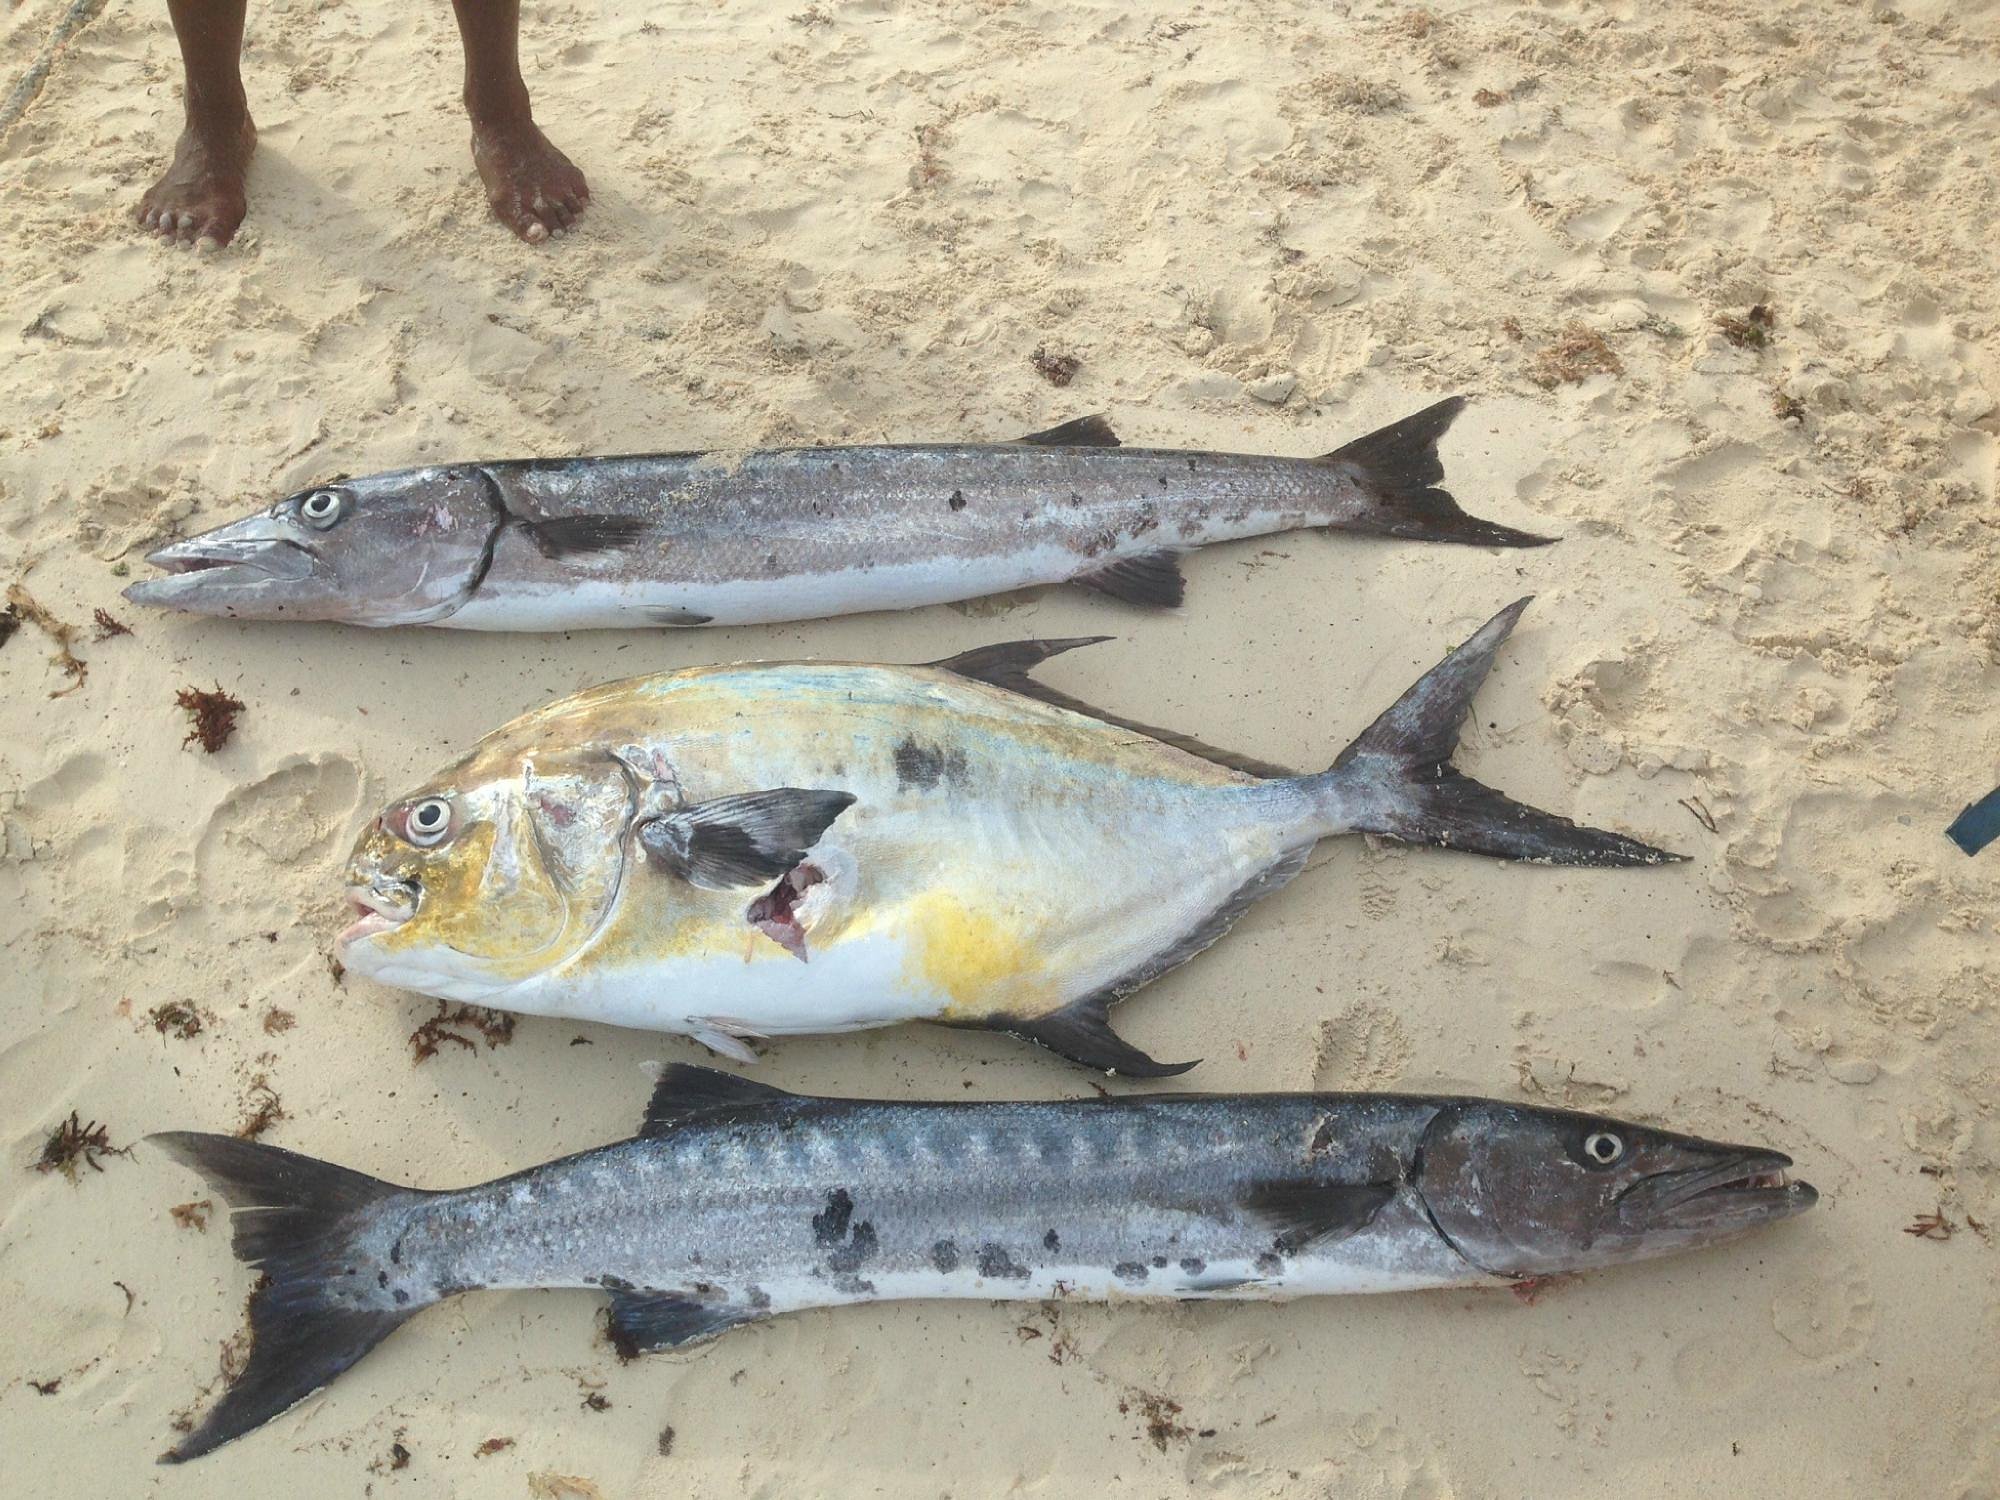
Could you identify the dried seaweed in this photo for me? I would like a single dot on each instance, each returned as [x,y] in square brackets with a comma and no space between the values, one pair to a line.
[495,1025]
[1750,331]
[193,1215]
[73,1145]
[213,715]
[177,1019]
[1057,369]
[109,625]
[1578,353]
[21,605]
[265,1109]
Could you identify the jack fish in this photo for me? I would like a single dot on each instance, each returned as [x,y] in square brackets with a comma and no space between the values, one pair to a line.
[737,1202]
[741,852]
[792,534]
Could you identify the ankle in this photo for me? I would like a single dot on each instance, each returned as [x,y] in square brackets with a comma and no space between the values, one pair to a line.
[218,117]
[501,110]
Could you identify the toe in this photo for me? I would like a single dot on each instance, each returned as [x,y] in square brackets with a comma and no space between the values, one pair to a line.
[535,233]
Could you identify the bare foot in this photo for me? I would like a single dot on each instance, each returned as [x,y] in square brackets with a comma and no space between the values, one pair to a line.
[535,190]
[200,197]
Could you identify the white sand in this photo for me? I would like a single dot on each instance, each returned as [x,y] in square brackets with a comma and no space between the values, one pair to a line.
[1791,623]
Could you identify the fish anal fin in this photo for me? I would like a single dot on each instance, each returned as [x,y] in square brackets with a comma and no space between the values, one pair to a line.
[1210,929]
[741,840]
[725,1038]
[1081,1031]
[642,1322]
[1307,1211]
[1093,431]
[685,1090]
[1149,578]
[1008,663]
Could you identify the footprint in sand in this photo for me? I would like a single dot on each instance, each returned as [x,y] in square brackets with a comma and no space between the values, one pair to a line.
[294,816]
[1826,1318]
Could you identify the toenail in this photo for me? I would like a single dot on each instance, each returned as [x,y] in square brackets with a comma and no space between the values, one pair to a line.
[536,233]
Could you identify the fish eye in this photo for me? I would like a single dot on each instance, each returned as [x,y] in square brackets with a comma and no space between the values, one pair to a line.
[427,821]
[321,509]
[1601,1148]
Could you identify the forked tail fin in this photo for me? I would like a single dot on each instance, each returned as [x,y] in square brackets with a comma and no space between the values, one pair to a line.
[1397,779]
[1398,468]
[318,1308]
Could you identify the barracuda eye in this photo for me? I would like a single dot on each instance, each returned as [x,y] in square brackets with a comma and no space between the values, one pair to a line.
[427,822]
[322,509]
[1602,1149]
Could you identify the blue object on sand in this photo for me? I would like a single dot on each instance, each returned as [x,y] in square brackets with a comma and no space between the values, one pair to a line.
[1979,825]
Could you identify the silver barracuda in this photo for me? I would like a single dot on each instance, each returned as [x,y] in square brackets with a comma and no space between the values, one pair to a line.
[791,534]
[737,1202]
[752,851]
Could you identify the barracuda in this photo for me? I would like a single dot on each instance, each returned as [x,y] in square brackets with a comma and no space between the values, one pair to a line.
[753,851]
[738,1202]
[791,534]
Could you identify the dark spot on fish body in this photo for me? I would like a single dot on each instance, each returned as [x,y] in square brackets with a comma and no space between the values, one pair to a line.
[1159,1263]
[1194,1265]
[382,1280]
[1269,1264]
[853,1286]
[757,1297]
[957,500]
[399,1296]
[1131,1270]
[1052,1241]
[830,1227]
[857,1252]
[614,1283]
[924,767]
[944,1255]
[994,1261]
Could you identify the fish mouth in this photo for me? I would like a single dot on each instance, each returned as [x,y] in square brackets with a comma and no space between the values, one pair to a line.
[381,906]
[205,569]
[1740,1189]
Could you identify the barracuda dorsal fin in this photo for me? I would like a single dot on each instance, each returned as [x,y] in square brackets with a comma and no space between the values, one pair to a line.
[1306,1211]
[1079,432]
[1007,664]
[644,1321]
[685,1091]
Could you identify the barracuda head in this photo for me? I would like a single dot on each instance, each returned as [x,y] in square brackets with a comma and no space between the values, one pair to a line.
[492,873]
[1535,1192]
[404,548]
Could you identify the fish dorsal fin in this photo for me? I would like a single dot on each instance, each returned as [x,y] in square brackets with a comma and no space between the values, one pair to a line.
[685,1091]
[1305,1211]
[1007,665]
[1080,432]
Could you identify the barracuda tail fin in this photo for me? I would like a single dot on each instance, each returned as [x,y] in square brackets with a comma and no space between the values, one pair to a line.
[1397,779]
[1399,469]
[318,1308]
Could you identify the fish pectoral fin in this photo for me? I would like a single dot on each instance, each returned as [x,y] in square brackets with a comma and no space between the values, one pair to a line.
[743,840]
[1081,1031]
[685,1091]
[642,1322]
[1305,1211]
[1079,432]
[724,1037]
[1151,578]
[579,536]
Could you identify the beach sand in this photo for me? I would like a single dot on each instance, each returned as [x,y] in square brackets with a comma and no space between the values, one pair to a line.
[1770,638]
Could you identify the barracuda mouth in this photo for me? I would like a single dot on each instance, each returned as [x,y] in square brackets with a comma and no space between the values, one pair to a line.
[1742,1188]
[205,569]
[381,907]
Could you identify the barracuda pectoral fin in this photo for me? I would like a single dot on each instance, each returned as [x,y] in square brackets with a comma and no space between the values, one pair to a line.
[642,1322]
[743,840]
[580,536]
[1079,432]
[685,1091]
[1310,1211]
[1151,578]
